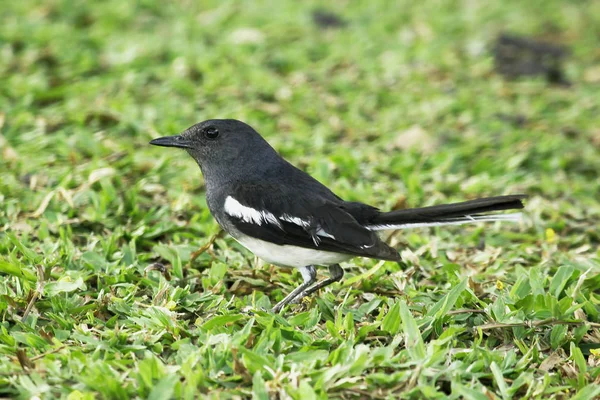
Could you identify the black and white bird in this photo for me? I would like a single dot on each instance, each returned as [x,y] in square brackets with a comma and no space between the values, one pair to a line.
[287,218]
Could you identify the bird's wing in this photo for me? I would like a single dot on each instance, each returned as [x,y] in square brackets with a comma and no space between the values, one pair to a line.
[277,214]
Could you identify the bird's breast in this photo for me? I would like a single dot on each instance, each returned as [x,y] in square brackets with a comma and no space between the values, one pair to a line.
[289,255]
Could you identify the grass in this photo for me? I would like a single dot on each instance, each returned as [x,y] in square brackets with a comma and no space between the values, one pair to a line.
[396,106]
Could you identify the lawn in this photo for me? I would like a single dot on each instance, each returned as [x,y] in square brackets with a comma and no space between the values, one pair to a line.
[104,294]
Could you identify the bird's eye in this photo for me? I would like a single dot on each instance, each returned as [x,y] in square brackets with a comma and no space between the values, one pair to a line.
[211,132]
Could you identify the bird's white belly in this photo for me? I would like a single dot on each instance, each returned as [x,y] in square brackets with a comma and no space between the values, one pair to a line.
[288,255]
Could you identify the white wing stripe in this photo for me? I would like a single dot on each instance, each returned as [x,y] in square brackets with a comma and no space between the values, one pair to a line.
[248,214]
[295,220]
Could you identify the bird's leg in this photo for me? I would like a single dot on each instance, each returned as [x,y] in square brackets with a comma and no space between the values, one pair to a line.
[309,274]
[336,273]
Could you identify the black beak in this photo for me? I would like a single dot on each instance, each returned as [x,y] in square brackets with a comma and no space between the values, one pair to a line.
[172,141]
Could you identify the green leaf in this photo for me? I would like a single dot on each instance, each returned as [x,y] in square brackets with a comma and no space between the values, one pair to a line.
[414,341]
[446,303]
[30,339]
[240,337]
[308,356]
[253,361]
[590,391]
[29,254]
[498,309]
[221,321]
[164,388]
[468,393]
[305,391]
[499,379]
[94,260]
[579,332]
[259,389]
[522,380]
[521,288]
[577,357]
[558,335]
[19,271]
[537,280]
[391,321]
[63,286]
[560,279]
[332,330]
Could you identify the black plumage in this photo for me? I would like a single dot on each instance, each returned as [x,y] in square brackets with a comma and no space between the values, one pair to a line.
[448,212]
[319,212]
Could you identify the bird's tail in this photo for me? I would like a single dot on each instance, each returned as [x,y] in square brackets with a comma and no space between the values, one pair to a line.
[480,210]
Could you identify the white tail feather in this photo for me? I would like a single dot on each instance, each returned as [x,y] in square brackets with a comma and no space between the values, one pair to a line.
[467,219]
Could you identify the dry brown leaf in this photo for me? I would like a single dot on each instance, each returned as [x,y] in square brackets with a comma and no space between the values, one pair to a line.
[98,174]
[43,205]
[550,362]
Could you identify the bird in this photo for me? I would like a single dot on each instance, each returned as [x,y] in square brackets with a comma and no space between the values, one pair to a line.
[288,218]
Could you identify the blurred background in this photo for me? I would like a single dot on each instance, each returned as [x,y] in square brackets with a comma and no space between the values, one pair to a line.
[379,99]
[393,103]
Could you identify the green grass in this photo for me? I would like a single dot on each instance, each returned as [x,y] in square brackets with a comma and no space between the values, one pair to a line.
[399,107]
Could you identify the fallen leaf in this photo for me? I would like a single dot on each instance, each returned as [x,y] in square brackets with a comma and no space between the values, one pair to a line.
[550,362]
[43,205]
[415,137]
[98,174]
[592,74]
[246,36]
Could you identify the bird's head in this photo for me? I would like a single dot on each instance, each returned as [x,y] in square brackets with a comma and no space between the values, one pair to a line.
[217,144]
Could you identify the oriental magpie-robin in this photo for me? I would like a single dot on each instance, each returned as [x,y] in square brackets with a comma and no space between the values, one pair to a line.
[288,218]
